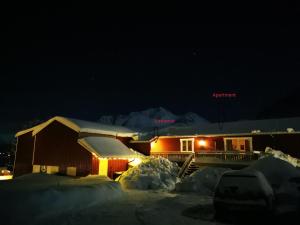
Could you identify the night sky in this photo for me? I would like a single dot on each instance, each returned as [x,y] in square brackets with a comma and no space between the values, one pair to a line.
[81,62]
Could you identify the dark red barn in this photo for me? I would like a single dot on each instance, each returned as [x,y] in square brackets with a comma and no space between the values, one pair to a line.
[73,147]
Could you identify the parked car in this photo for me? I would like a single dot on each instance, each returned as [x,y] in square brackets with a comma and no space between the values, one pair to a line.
[242,192]
[287,197]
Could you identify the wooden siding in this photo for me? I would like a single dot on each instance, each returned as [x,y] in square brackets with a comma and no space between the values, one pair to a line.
[142,147]
[56,145]
[95,165]
[165,145]
[116,165]
[173,144]
[288,143]
[23,160]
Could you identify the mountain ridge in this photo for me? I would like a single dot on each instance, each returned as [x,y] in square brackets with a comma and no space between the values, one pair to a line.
[153,118]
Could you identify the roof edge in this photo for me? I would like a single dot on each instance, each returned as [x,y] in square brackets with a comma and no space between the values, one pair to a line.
[88,147]
[60,119]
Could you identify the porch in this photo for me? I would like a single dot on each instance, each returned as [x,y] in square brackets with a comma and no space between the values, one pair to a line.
[233,159]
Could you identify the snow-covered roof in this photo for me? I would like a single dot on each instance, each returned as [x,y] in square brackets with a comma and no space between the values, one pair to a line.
[107,147]
[248,126]
[236,127]
[83,126]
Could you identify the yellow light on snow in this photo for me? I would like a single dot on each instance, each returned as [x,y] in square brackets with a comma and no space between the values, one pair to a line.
[135,162]
[7,177]
[202,143]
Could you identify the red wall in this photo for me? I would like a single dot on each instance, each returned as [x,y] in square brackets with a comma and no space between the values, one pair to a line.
[23,160]
[173,144]
[95,165]
[165,145]
[56,145]
[116,165]
[142,147]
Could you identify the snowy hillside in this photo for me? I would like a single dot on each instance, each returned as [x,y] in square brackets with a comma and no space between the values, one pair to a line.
[152,118]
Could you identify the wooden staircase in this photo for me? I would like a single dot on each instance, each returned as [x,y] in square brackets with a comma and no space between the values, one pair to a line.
[191,168]
[188,167]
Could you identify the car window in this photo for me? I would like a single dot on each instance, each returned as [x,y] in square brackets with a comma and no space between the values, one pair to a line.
[241,186]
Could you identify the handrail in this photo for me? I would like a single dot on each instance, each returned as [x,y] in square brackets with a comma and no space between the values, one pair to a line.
[213,152]
[185,165]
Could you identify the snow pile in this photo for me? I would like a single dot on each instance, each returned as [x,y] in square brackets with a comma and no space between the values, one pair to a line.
[151,173]
[280,155]
[38,196]
[202,181]
[276,171]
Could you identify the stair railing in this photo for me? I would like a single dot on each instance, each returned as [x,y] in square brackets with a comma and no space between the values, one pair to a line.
[185,165]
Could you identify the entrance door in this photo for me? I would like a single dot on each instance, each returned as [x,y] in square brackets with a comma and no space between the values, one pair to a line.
[238,144]
[103,167]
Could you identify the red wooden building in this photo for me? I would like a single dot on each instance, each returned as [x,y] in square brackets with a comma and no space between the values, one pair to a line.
[73,147]
[234,138]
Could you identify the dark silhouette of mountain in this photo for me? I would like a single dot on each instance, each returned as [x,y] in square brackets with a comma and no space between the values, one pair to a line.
[152,118]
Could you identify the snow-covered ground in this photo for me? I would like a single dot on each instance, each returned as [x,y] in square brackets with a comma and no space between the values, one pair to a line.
[49,199]
[142,207]
[35,197]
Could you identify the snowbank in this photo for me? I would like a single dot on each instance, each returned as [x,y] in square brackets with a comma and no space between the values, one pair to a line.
[202,181]
[280,155]
[276,171]
[40,195]
[152,173]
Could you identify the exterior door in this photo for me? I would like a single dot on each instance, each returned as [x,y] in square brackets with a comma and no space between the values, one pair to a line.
[238,144]
[103,167]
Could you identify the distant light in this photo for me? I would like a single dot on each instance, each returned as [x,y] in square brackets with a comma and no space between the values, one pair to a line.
[202,143]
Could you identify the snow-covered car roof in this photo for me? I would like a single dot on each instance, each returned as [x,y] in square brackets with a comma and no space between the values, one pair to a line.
[108,147]
[82,126]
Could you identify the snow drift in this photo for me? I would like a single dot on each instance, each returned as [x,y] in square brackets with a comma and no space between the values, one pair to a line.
[152,173]
[280,155]
[277,171]
[202,181]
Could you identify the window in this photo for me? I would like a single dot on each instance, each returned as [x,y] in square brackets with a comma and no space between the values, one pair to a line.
[187,145]
[238,144]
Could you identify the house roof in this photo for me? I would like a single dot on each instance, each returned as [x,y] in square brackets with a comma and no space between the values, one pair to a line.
[248,126]
[83,126]
[268,126]
[107,147]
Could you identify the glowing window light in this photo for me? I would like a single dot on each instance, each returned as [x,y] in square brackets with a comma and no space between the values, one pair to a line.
[152,144]
[202,143]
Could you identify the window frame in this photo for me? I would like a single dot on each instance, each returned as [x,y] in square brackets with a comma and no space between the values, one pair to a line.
[186,140]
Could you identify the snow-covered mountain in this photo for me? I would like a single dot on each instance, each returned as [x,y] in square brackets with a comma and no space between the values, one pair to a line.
[153,118]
